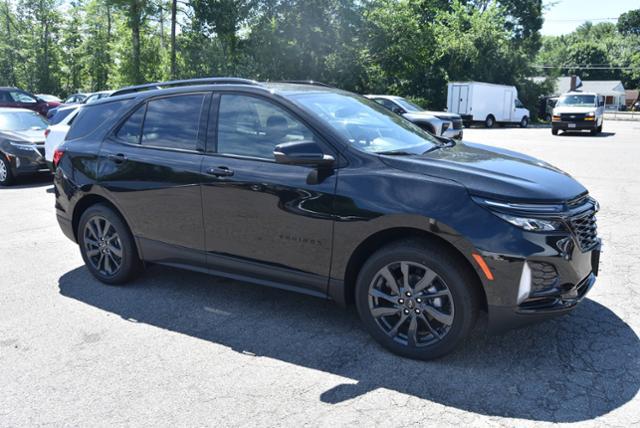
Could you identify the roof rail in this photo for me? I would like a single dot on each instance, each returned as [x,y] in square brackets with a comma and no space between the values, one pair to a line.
[305,82]
[185,82]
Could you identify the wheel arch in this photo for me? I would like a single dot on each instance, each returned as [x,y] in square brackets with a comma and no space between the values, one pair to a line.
[90,200]
[387,236]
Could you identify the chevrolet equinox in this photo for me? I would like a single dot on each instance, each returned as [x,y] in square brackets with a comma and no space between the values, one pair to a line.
[313,189]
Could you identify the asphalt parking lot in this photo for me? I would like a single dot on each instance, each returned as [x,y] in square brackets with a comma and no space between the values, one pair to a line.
[184,349]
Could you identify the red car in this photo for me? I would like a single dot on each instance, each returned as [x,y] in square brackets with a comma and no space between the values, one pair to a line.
[14,97]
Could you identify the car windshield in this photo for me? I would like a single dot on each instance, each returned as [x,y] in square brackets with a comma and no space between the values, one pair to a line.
[576,101]
[365,124]
[408,106]
[21,121]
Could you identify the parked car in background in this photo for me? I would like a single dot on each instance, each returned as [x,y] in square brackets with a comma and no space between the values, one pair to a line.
[578,111]
[49,98]
[635,106]
[21,143]
[17,98]
[436,122]
[97,96]
[55,134]
[318,190]
[76,98]
[487,103]
[545,108]
[62,112]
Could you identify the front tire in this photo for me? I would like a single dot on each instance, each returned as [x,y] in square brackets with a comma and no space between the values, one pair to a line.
[554,131]
[524,122]
[6,175]
[417,299]
[107,246]
[490,121]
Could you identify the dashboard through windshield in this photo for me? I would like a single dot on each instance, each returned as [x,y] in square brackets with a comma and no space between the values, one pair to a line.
[366,125]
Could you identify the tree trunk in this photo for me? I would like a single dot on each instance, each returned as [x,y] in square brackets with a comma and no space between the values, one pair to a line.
[173,38]
[135,19]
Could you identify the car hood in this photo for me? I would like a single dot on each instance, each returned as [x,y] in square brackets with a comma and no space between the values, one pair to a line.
[417,115]
[570,109]
[493,173]
[443,115]
[26,136]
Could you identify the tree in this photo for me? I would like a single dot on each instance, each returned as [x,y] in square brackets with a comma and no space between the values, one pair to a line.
[629,23]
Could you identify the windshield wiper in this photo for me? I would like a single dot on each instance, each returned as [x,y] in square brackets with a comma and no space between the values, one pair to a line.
[396,153]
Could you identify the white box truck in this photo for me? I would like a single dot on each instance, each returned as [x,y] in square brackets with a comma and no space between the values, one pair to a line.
[486,103]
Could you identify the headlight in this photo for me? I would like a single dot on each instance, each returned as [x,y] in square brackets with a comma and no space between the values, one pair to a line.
[526,216]
[591,114]
[22,146]
[531,224]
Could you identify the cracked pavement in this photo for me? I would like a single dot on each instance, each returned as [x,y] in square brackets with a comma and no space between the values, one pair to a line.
[182,348]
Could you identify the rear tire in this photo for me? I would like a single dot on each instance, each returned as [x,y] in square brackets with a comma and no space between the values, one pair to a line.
[107,246]
[6,176]
[393,299]
[524,122]
[490,121]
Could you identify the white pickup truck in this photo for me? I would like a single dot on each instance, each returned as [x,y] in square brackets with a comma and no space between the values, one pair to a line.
[578,111]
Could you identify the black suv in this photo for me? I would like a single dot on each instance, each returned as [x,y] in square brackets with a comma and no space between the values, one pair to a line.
[324,192]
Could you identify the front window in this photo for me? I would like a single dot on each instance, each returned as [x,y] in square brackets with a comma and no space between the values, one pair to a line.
[21,121]
[250,126]
[365,124]
[21,97]
[576,101]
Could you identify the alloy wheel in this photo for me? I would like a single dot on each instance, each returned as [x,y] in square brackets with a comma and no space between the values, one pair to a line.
[3,172]
[411,304]
[103,246]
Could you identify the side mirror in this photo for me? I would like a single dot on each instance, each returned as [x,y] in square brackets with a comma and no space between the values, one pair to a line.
[302,153]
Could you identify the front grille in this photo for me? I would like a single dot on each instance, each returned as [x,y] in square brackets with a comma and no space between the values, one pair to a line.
[572,117]
[457,123]
[585,229]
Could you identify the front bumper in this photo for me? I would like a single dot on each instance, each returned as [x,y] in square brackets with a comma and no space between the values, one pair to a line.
[540,287]
[25,159]
[575,126]
[456,134]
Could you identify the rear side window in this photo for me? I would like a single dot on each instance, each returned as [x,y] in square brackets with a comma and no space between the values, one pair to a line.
[129,131]
[173,122]
[92,116]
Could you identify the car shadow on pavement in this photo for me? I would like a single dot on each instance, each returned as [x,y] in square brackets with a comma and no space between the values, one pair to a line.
[30,181]
[570,369]
[602,134]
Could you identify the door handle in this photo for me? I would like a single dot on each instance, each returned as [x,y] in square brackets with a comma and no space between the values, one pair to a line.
[118,158]
[220,171]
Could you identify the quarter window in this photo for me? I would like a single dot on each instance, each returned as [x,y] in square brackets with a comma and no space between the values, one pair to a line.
[173,122]
[250,126]
[129,131]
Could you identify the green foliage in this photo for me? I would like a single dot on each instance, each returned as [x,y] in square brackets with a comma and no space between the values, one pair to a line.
[405,47]
[590,48]
[629,23]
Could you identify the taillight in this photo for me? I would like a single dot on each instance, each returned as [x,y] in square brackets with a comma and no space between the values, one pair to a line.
[57,156]
[46,132]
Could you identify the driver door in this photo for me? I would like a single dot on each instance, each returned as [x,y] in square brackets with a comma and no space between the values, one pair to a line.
[265,220]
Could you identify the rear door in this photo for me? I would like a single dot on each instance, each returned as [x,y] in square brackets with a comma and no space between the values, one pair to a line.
[266,220]
[151,167]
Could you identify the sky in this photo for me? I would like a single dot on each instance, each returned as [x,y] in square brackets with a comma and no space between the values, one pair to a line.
[563,16]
